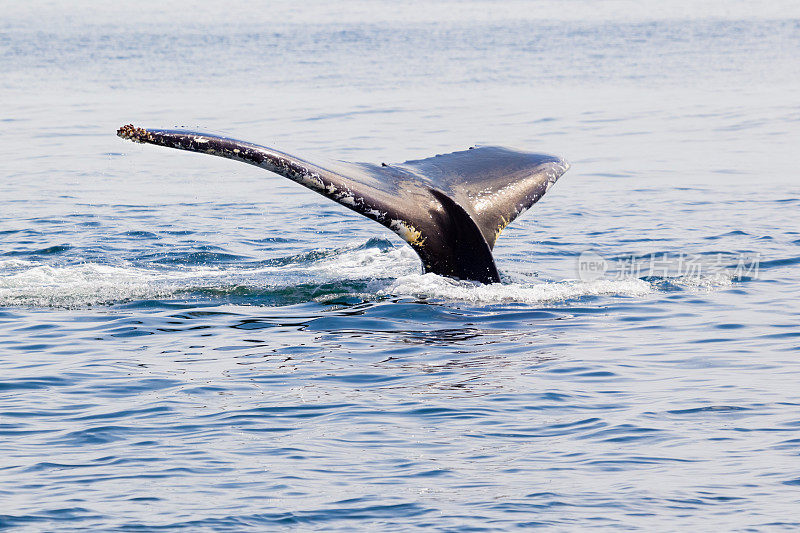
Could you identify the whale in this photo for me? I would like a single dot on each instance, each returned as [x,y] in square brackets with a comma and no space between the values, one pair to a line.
[450,208]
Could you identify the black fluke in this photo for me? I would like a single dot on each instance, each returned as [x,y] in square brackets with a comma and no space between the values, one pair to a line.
[450,208]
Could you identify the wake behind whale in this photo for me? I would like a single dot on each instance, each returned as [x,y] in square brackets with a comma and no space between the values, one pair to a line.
[449,208]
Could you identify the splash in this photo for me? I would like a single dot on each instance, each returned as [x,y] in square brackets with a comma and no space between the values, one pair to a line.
[704,283]
[78,285]
[290,280]
[437,287]
[375,269]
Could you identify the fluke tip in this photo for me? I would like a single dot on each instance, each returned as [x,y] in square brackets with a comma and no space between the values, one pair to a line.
[138,135]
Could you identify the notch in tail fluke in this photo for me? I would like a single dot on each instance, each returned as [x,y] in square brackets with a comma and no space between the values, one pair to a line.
[449,208]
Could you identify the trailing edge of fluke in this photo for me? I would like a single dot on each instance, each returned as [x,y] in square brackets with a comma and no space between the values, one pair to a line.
[450,208]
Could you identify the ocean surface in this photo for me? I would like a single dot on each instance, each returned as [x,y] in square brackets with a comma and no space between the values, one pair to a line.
[189,343]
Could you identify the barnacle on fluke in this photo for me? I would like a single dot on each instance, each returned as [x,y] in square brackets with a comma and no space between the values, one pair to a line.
[138,135]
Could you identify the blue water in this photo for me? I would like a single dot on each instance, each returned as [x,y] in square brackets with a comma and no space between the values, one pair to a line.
[191,343]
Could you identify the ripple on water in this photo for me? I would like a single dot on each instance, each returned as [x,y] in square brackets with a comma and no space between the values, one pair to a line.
[188,343]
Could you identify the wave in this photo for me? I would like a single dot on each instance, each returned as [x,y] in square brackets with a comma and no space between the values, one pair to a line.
[372,270]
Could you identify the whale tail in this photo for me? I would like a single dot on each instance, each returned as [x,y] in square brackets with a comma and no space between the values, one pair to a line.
[450,208]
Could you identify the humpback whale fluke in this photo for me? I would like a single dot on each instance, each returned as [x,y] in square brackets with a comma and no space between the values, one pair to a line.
[450,208]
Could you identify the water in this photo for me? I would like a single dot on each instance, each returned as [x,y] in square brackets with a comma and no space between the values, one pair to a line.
[191,343]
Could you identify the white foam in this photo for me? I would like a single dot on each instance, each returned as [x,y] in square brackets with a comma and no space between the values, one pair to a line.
[437,287]
[28,283]
[15,264]
[366,263]
[394,271]
[78,285]
[705,283]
